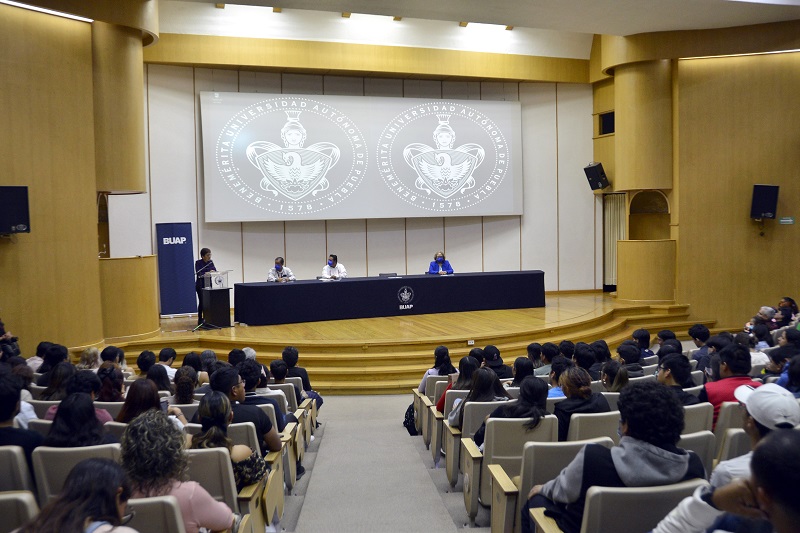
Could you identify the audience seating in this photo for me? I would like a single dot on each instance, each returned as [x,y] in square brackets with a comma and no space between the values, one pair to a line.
[164,393]
[296,381]
[42,427]
[603,504]
[36,391]
[694,390]
[650,370]
[693,364]
[551,403]
[597,386]
[115,428]
[474,415]
[755,370]
[651,377]
[438,390]
[41,406]
[51,465]
[113,408]
[730,416]
[704,444]
[426,422]
[503,444]
[188,409]
[278,396]
[650,360]
[16,475]
[160,514]
[584,426]
[437,419]
[17,508]
[288,391]
[513,392]
[697,377]
[698,417]
[612,398]
[291,437]
[735,443]
[541,462]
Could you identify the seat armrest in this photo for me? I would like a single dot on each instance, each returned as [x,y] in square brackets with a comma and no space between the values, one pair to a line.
[472,450]
[502,481]
[504,500]
[544,524]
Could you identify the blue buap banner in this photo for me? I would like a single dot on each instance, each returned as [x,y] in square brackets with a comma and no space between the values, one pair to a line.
[176,268]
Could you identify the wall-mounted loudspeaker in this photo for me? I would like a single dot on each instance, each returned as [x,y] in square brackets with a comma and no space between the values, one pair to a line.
[14,216]
[765,201]
[596,176]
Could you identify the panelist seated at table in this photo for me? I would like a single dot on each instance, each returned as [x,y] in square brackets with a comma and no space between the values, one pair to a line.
[440,265]
[279,272]
[334,269]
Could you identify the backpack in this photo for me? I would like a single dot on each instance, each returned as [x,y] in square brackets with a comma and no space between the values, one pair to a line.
[408,421]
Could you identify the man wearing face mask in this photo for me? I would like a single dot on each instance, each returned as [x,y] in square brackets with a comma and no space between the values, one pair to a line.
[279,272]
[440,265]
[334,269]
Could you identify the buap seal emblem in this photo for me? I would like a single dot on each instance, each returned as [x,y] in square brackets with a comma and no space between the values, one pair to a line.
[405,295]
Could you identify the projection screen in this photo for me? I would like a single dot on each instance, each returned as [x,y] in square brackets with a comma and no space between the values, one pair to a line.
[310,157]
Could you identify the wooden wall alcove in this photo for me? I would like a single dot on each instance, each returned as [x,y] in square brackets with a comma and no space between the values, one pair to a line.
[648,216]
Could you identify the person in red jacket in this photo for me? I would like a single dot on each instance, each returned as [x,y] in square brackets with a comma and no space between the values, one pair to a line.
[734,367]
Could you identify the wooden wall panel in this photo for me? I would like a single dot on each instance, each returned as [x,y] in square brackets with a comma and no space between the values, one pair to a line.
[501,243]
[306,248]
[130,298]
[348,240]
[638,279]
[463,242]
[262,242]
[386,246]
[424,237]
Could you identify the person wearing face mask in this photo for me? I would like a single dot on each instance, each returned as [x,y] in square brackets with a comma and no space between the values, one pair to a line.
[279,272]
[440,265]
[334,269]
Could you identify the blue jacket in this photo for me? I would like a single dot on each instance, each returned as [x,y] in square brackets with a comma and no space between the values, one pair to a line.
[435,267]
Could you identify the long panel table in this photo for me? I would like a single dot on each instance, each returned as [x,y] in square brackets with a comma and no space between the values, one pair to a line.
[259,304]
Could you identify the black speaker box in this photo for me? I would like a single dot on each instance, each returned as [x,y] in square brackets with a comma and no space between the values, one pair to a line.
[596,176]
[765,201]
[14,210]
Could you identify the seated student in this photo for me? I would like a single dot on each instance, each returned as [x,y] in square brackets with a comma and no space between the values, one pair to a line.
[763,337]
[651,421]
[57,384]
[193,360]
[642,338]
[55,354]
[549,351]
[90,359]
[793,385]
[486,387]
[185,383]
[236,356]
[576,384]
[334,269]
[749,342]
[158,375]
[290,356]
[630,357]
[675,372]
[477,354]
[466,369]
[733,370]
[142,397]
[279,370]
[153,457]
[765,316]
[614,376]
[145,361]
[788,346]
[9,407]
[93,499]
[87,382]
[559,365]
[215,416]
[491,356]
[165,358]
[700,334]
[112,383]
[250,371]
[585,358]
[76,425]
[566,348]
[602,355]
[279,272]
[523,367]
[661,336]
[440,265]
[36,361]
[114,355]
[534,353]
[441,366]
[532,404]
[714,345]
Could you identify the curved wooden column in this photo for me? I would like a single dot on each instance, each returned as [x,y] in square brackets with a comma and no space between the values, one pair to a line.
[646,270]
[130,299]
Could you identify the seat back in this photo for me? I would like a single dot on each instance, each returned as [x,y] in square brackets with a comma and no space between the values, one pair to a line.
[650,360]
[649,370]
[503,444]
[17,508]
[41,406]
[438,390]
[212,469]
[297,381]
[36,391]
[288,391]
[430,386]
[513,392]
[697,417]
[603,504]
[52,465]
[162,514]
[755,370]
[269,409]
[113,408]
[694,390]
[278,396]
[735,443]
[612,398]
[551,403]
[450,399]
[730,416]
[164,394]
[244,433]
[188,409]
[704,444]
[697,377]
[584,426]
[646,377]
[115,428]
[16,475]
[42,427]
[474,415]
[597,386]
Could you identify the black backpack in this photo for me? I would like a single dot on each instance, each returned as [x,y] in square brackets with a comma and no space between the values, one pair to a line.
[408,421]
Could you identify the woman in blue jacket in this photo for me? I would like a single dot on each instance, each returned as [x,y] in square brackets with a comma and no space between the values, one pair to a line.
[440,265]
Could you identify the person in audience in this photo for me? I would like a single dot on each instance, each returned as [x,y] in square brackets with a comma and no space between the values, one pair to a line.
[486,387]
[601,356]
[764,316]
[114,355]
[614,376]
[675,372]
[534,353]
[466,369]
[477,354]
[440,265]
[9,347]
[206,358]
[585,358]
[531,404]
[93,500]
[717,343]
[782,318]
[25,375]
[87,382]
[280,272]
[55,354]
[576,384]
[165,358]
[651,421]
[441,366]
[766,494]
[215,416]
[763,337]
[491,356]
[193,361]
[75,424]
[700,334]
[90,359]
[36,361]
[788,347]
[279,370]
[748,341]
[290,356]
[523,367]
[566,348]
[630,357]
[112,383]
[549,351]
[213,367]
[333,269]
[236,356]
[145,362]
[263,381]
[161,473]
[158,375]
[733,369]
[642,338]
[663,335]
[668,349]
[9,407]
[559,365]
[57,383]
[250,372]
[185,382]
[143,397]
[793,385]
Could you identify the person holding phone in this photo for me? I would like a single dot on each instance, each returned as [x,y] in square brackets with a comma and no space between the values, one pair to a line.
[440,265]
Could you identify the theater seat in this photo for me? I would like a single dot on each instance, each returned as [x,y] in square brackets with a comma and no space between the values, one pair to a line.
[474,415]
[698,417]
[17,508]
[52,465]
[160,514]
[704,444]
[584,426]
[16,475]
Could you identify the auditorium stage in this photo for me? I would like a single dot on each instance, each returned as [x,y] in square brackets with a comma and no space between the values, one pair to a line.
[389,355]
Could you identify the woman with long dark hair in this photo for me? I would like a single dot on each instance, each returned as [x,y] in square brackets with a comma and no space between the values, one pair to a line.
[486,387]
[523,367]
[466,368]
[113,383]
[142,397]
[193,360]
[57,384]
[76,424]
[93,500]
[158,375]
[185,383]
[531,404]
[441,366]
[215,416]
[614,376]
[576,384]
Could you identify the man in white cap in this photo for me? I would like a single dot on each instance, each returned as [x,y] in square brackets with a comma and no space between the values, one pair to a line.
[767,409]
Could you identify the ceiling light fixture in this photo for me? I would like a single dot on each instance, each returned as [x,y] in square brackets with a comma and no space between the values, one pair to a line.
[219,6]
[463,24]
[397,19]
[346,15]
[277,10]
[46,11]
[509,28]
